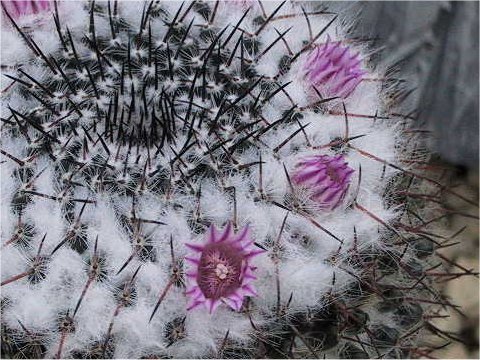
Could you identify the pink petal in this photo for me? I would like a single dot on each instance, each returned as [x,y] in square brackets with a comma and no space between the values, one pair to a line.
[194,304]
[243,234]
[212,305]
[253,253]
[192,291]
[212,234]
[247,245]
[192,260]
[249,290]
[227,233]
[194,247]
[248,279]
[192,274]
[235,304]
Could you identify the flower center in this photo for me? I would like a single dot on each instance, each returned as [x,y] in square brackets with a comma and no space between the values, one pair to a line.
[221,271]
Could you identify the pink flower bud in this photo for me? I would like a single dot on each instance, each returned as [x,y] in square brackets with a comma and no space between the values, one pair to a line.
[333,69]
[328,178]
[19,8]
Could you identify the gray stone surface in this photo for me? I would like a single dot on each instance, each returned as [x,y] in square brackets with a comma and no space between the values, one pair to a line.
[434,45]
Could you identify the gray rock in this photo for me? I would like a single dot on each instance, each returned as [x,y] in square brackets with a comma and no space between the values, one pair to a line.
[434,45]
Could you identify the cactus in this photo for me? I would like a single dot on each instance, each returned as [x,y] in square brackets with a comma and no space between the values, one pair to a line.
[132,131]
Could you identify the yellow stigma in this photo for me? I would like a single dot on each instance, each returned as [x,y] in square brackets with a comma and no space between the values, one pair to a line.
[221,271]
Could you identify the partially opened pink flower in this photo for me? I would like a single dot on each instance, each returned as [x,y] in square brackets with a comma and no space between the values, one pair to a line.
[327,177]
[333,69]
[221,269]
[18,8]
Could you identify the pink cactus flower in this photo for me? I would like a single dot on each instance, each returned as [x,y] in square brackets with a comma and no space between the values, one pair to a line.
[328,178]
[333,69]
[221,269]
[19,8]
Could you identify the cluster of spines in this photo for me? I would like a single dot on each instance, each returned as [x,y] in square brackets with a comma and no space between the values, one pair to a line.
[124,171]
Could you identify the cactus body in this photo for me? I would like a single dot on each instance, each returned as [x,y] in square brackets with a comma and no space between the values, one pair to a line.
[147,124]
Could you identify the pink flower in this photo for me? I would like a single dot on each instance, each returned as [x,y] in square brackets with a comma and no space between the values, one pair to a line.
[333,69]
[328,178]
[18,8]
[221,269]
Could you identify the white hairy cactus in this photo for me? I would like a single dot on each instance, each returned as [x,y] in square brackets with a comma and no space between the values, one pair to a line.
[133,130]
